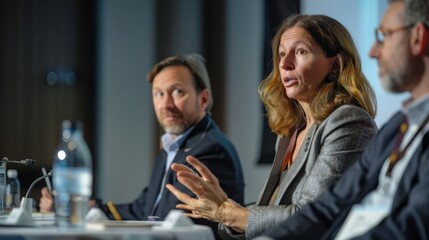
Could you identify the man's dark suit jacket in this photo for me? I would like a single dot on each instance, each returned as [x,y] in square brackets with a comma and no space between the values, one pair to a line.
[409,218]
[205,142]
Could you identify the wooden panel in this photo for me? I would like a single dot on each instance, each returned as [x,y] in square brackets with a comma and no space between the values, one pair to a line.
[214,50]
[39,37]
[276,11]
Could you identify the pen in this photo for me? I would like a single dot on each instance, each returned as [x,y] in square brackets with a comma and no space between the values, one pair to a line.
[114,211]
[48,182]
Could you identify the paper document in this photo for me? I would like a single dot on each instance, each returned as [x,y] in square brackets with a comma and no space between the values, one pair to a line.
[112,224]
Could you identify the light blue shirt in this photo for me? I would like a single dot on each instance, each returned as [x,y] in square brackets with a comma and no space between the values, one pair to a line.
[171,146]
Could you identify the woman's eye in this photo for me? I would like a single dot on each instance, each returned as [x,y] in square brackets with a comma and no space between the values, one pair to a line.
[301,51]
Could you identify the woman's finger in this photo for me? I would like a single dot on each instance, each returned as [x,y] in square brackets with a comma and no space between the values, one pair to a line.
[202,169]
[194,183]
[185,207]
[193,215]
[180,167]
[183,197]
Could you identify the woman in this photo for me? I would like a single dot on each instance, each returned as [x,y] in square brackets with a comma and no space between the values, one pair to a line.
[322,108]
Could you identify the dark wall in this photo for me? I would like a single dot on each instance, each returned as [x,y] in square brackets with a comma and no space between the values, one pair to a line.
[276,11]
[47,74]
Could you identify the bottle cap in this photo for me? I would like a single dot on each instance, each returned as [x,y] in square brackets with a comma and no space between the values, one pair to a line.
[69,124]
[12,173]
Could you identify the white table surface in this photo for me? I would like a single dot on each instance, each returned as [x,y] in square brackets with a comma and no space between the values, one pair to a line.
[46,230]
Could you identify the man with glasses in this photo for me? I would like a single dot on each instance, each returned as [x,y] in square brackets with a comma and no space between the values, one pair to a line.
[385,195]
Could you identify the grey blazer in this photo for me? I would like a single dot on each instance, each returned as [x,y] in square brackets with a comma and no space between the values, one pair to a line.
[328,150]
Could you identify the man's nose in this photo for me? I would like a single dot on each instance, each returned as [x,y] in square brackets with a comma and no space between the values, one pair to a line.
[374,51]
[168,102]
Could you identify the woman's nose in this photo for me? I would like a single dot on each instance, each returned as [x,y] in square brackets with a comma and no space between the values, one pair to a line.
[286,62]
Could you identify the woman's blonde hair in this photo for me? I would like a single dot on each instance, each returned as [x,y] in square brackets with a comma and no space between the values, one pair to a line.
[346,84]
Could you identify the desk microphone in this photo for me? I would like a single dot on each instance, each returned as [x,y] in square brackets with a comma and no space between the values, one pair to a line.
[28,162]
[22,215]
[38,180]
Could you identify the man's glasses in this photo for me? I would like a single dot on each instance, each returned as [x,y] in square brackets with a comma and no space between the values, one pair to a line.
[380,33]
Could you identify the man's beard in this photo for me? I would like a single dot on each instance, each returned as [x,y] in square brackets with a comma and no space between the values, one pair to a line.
[179,125]
[392,84]
[395,80]
[398,78]
[175,129]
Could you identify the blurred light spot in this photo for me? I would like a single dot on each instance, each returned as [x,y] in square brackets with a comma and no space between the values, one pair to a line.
[52,78]
[71,79]
[61,155]
[66,134]
[71,145]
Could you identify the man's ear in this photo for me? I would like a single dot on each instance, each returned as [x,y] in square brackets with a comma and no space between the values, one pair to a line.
[205,98]
[420,40]
[425,40]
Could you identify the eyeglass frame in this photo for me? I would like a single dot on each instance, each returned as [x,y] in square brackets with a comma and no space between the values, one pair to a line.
[379,31]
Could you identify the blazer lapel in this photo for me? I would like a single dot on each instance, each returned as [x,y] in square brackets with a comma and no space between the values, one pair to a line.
[406,182]
[411,173]
[272,181]
[170,177]
[186,147]
[296,166]
[156,180]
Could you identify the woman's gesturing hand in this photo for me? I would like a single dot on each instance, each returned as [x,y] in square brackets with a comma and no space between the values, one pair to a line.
[210,196]
[211,202]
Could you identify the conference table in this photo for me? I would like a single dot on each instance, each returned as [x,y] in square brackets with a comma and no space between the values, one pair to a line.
[45,229]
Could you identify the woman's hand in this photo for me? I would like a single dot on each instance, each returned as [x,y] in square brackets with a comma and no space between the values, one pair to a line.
[211,203]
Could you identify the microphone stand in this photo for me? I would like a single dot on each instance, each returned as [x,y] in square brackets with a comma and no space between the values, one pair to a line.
[3,182]
[27,202]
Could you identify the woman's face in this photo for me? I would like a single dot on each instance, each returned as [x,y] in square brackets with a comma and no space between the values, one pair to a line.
[303,65]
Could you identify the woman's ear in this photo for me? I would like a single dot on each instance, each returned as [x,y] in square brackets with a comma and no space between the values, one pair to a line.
[337,65]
